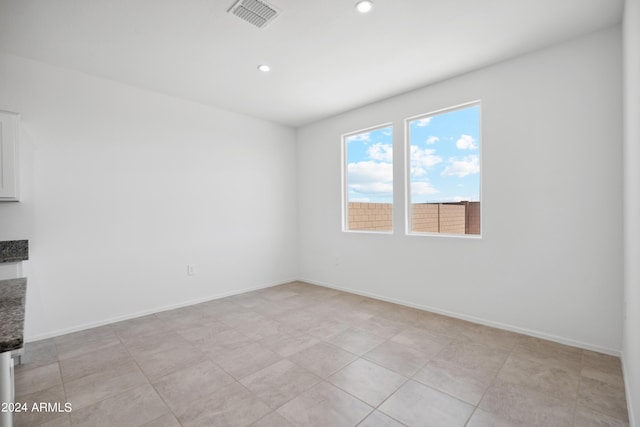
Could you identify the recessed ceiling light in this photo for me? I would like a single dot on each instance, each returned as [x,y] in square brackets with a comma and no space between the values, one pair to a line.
[364,6]
[264,68]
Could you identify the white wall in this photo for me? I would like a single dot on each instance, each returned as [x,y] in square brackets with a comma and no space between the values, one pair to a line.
[631,341]
[122,188]
[549,261]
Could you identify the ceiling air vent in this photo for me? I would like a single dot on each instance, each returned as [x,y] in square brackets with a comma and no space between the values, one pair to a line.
[255,12]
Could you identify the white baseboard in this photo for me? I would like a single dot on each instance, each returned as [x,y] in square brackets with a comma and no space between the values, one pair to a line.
[498,325]
[627,390]
[511,328]
[116,319]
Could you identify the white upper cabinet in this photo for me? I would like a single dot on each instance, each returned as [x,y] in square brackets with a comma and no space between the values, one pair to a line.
[9,156]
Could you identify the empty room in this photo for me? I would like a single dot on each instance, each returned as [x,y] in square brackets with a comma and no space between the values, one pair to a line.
[337,213]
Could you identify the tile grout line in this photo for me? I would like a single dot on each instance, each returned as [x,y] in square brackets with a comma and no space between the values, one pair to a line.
[575,403]
[495,377]
[323,317]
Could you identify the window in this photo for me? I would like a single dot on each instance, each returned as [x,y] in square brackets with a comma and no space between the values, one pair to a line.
[444,171]
[368,180]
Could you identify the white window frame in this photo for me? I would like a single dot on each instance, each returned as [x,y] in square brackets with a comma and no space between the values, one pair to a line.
[407,171]
[345,182]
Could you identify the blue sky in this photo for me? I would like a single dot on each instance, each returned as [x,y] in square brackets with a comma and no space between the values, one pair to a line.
[445,160]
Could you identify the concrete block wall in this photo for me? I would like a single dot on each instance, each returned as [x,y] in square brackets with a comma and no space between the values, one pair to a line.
[370,216]
[473,217]
[425,217]
[450,218]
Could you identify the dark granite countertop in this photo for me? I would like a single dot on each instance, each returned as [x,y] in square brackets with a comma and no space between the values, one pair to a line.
[14,250]
[12,300]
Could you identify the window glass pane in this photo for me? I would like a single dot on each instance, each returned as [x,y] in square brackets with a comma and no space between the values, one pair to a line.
[444,177]
[369,180]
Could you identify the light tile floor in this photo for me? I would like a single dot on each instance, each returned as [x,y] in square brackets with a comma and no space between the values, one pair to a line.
[304,355]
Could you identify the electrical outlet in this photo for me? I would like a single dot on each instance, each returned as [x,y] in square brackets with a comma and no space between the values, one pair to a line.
[191,270]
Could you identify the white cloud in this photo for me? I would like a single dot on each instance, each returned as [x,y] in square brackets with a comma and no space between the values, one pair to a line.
[371,178]
[422,188]
[466,142]
[462,167]
[423,159]
[373,188]
[370,171]
[381,152]
[423,122]
[432,140]
[366,136]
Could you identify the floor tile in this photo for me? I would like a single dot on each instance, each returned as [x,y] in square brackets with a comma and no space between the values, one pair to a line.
[356,341]
[231,405]
[179,389]
[299,354]
[53,395]
[104,383]
[398,357]
[473,356]
[37,354]
[351,315]
[298,319]
[217,307]
[550,353]
[29,381]
[540,377]
[239,317]
[158,364]
[156,342]
[602,367]
[602,397]
[325,405]
[274,309]
[527,344]
[95,361]
[402,314]
[139,326]
[277,384]
[201,331]
[385,328]
[134,407]
[426,343]
[266,330]
[458,329]
[291,344]
[367,381]
[222,342]
[482,418]
[325,329]
[587,418]
[436,323]
[86,341]
[184,317]
[167,420]
[58,420]
[277,294]
[491,337]
[272,420]
[415,403]
[323,359]
[520,405]
[344,300]
[463,370]
[246,360]
[378,419]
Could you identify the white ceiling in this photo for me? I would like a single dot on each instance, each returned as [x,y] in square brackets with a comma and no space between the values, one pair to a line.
[325,57]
